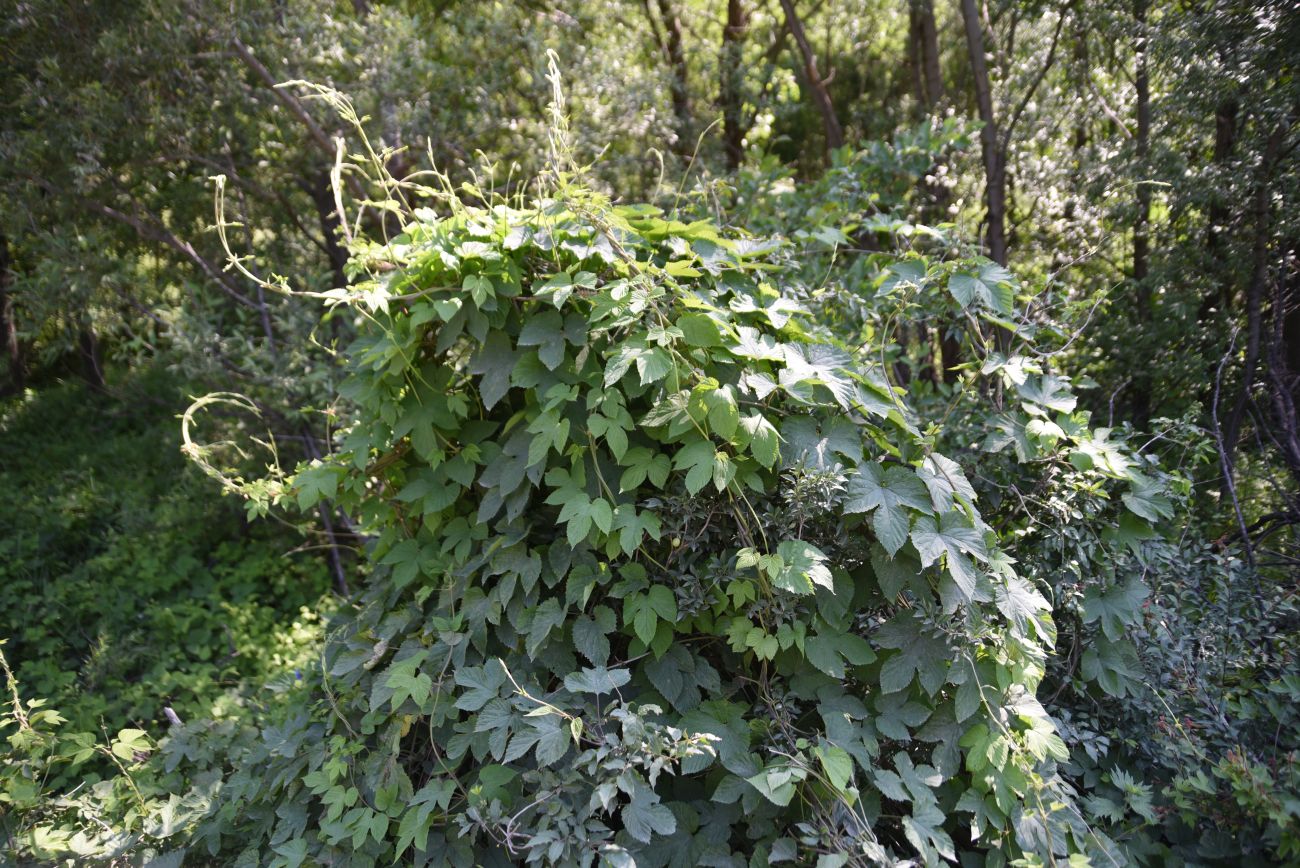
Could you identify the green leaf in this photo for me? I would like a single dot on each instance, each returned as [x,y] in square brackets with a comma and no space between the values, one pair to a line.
[129,742]
[633,526]
[493,779]
[1042,742]
[1048,391]
[294,852]
[553,743]
[653,365]
[991,286]
[829,652]
[644,816]
[545,331]
[724,471]
[809,365]
[1146,498]
[955,538]
[482,683]
[908,274]
[697,459]
[898,714]
[699,330]
[837,765]
[778,784]
[548,616]
[945,480]
[598,681]
[822,652]
[967,699]
[590,640]
[1116,607]
[1114,666]
[316,483]
[1131,532]
[480,288]
[495,361]
[406,682]
[663,601]
[643,611]
[577,513]
[415,824]
[724,415]
[557,288]
[1022,605]
[887,492]
[760,437]
[601,514]
[644,624]
[753,344]
[801,566]
[922,654]
[643,465]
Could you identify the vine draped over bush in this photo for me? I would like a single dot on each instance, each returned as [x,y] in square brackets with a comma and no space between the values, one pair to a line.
[662,573]
[673,542]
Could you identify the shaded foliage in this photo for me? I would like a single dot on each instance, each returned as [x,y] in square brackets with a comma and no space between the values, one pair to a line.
[1114,387]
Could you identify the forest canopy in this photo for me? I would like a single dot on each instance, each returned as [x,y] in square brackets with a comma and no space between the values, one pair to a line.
[650,433]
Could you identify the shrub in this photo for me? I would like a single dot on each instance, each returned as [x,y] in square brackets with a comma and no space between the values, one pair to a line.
[662,572]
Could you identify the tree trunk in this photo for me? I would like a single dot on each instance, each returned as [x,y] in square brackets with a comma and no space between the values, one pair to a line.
[1225,136]
[1141,228]
[950,353]
[914,62]
[671,44]
[91,356]
[13,348]
[1142,224]
[1262,212]
[729,62]
[1225,140]
[1284,373]
[322,195]
[927,85]
[994,158]
[1290,312]
[903,367]
[822,97]
[1081,73]
[927,41]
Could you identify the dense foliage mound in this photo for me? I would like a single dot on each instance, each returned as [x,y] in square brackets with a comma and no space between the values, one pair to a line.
[662,572]
[1122,407]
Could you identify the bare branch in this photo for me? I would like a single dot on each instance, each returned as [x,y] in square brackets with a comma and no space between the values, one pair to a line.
[1038,80]
[822,98]
[295,107]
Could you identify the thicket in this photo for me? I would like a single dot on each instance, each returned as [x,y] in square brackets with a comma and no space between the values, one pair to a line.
[626,605]
[668,567]
[920,499]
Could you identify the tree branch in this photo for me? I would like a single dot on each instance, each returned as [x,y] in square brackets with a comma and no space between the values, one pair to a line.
[295,107]
[156,232]
[1038,80]
[822,98]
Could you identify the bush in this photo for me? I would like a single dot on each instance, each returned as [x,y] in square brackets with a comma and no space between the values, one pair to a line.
[662,571]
